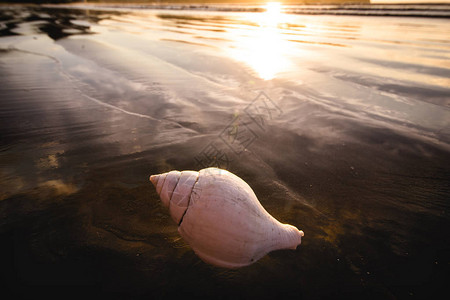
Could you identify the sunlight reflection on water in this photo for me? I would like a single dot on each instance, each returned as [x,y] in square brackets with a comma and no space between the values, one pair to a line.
[264,49]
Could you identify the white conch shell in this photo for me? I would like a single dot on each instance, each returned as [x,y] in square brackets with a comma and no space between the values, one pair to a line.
[220,217]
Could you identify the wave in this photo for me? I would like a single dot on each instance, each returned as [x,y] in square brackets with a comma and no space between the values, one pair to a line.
[403,10]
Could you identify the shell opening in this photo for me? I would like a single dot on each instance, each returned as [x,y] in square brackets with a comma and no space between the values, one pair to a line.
[293,237]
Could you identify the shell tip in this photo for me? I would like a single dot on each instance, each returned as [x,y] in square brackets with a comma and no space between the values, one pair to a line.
[154,179]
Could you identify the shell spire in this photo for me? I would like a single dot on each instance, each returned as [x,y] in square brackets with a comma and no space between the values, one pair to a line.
[220,217]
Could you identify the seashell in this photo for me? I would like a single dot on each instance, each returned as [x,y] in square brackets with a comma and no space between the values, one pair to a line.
[220,217]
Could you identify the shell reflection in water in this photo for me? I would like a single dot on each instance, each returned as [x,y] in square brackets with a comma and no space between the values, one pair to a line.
[220,217]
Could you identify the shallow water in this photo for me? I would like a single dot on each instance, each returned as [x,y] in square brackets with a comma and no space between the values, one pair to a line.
[340,124]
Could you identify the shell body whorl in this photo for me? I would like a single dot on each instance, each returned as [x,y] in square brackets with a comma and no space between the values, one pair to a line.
[221,218]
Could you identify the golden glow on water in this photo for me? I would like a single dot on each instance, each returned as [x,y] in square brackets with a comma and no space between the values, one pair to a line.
[273,14]
[263,47]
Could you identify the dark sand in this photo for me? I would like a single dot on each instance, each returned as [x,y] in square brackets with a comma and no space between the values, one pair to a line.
[354,150]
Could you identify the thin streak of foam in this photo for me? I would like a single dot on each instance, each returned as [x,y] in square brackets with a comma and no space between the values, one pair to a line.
[118,108]
[71,79]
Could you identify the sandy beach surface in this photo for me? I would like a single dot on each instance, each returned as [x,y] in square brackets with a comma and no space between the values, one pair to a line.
[340,124]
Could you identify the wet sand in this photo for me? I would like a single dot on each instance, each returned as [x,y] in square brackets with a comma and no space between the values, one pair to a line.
[342,129]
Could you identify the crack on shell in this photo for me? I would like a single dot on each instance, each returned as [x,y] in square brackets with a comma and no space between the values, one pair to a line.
[189,201]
